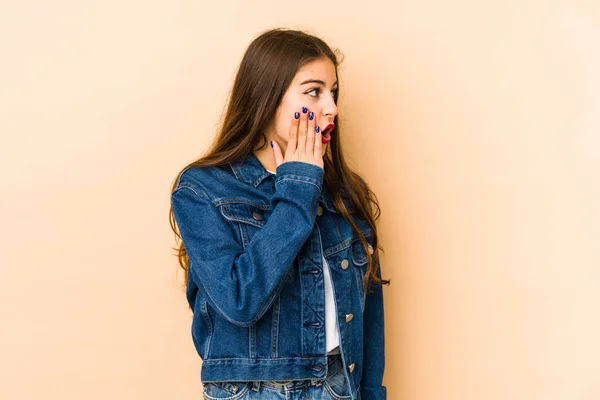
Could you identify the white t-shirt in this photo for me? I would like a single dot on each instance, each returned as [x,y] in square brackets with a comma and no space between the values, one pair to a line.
[332,337]
[331,334]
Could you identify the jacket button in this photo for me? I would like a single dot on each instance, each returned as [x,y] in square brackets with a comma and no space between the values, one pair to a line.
[257,216]
[370,249]
[344,264]
[320,211]
[349,317]
[351,367]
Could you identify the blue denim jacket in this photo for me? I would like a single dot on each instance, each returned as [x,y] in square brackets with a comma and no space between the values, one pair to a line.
[256,287]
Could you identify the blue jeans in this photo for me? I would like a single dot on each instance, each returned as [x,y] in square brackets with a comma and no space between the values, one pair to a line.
[333,387]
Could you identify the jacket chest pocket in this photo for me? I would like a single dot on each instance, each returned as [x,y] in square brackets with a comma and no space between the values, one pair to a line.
[247,216]
[360,265]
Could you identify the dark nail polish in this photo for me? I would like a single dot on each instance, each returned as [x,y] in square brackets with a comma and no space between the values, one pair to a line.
[304,110]
[296,115]
[311,115]
[271,143]
[317,129]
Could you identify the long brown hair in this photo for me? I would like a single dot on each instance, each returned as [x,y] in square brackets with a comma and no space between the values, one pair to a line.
[264,75]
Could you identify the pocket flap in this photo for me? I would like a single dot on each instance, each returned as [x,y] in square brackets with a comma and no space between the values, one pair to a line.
[359,255]
[246,212]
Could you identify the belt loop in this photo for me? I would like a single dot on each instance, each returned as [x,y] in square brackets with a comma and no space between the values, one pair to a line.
[256,386]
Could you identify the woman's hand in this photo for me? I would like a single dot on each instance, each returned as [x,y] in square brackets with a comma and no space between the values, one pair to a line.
[304,142]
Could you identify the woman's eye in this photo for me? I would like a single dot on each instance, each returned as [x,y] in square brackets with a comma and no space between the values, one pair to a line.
[316,91]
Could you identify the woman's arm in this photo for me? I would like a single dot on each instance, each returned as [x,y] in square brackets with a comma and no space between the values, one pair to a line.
[242,283]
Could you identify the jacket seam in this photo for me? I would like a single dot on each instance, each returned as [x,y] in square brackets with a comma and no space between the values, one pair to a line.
[192,188]
[216,360]
[210,327]
[299,180]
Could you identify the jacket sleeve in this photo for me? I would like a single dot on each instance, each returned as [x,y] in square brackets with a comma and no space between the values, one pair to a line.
[371,386]
[242,283]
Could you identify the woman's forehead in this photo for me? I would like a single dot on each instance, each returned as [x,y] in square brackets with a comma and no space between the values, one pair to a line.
[317,70]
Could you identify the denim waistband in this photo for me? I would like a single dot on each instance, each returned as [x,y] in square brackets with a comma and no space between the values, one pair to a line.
[334,364]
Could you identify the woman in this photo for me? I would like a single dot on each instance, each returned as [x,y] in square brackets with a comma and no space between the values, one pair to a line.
[278,242]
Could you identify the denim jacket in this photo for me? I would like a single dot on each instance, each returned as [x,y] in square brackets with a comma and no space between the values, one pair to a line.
[255,285]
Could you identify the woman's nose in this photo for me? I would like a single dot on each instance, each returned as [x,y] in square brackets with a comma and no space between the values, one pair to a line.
[330,109]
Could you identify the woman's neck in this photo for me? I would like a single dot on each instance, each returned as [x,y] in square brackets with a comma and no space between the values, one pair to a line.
[266,158]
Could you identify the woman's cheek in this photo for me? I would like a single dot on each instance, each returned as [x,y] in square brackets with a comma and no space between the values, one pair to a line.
[284,132]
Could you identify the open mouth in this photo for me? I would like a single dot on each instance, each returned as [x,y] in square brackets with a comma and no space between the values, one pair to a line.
[326,133]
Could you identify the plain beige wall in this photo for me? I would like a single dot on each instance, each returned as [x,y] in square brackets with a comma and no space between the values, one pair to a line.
[476,123]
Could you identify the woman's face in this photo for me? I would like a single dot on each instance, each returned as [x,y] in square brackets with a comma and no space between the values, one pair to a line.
[313,87]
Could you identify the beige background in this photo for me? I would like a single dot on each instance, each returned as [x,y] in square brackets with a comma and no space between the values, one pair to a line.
[476,123]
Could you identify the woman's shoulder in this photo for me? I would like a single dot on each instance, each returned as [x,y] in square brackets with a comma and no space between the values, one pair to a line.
[203,177]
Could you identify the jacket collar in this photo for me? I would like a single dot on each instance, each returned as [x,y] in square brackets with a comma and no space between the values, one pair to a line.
[251,171]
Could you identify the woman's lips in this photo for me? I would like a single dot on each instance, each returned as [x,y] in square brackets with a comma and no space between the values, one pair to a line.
[326,137]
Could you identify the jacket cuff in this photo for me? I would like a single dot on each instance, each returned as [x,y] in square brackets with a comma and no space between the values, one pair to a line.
[300,171]
[373,393]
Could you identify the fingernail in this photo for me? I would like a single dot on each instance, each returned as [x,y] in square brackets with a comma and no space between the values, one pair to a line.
[271,143]
[311,115]
[296,115]
[317,129]
[304,110]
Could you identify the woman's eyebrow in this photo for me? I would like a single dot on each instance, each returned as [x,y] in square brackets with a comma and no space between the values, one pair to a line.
[320,82]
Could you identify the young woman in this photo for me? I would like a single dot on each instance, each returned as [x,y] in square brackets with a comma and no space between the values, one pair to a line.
[278,238]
